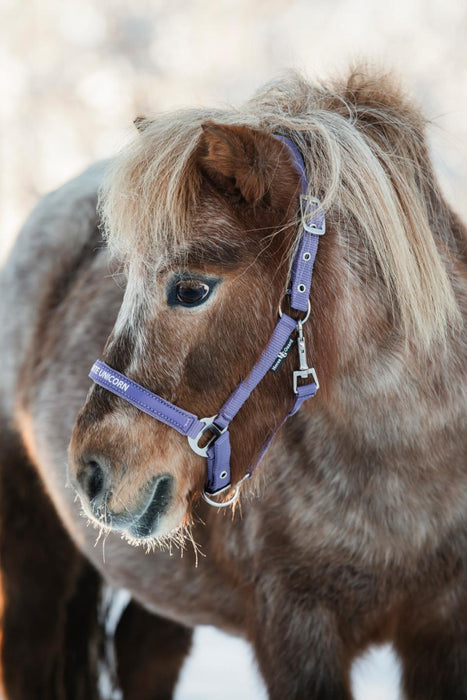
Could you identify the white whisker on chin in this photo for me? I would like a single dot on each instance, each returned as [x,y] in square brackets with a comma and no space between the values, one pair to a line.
[178,538]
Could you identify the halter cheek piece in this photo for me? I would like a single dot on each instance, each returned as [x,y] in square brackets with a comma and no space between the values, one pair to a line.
[217,449]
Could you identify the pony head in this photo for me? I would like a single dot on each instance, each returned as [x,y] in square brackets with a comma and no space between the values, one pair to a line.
[202,209]
[205,278]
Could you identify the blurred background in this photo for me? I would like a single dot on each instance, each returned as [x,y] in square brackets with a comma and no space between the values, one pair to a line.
[74,75]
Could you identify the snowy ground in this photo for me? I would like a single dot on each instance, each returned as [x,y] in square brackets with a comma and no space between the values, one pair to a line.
[222,668]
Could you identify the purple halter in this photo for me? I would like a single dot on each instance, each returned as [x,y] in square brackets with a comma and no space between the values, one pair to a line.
[217,449]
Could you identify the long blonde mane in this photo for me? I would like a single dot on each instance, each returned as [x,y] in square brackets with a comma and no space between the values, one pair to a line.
[364,146]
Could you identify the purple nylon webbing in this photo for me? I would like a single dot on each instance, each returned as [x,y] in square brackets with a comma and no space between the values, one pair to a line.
[302,268]
[218,464]
[297,160]
[219,453]
[186,423]
[231,407]
[301,275]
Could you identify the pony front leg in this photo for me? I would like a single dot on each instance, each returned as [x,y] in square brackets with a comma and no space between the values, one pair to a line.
[299,649]
[150,654]
[432,642]
[48,627]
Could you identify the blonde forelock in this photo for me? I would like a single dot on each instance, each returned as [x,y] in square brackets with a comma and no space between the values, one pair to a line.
[363,143]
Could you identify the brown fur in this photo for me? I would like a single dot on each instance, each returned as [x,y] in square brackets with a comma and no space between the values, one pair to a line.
[49,619]
[151,651]
[353,530]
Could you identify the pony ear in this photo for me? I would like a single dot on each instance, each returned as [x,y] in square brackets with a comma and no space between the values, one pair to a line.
[241,161]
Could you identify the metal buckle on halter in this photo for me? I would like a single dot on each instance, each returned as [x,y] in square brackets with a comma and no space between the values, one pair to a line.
[307,213]
[304,374]
[209,426]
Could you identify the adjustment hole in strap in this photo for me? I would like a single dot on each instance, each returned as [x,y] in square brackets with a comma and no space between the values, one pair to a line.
[306,256]
[301,288]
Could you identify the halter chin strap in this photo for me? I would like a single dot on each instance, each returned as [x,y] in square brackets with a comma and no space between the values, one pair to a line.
[217,449]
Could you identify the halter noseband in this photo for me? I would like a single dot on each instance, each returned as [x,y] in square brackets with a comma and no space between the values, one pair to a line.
[217,449]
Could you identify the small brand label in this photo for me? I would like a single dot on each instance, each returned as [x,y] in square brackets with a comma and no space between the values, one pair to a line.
[110,378]
[283,354]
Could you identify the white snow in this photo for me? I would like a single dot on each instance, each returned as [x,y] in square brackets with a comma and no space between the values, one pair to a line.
[221,667]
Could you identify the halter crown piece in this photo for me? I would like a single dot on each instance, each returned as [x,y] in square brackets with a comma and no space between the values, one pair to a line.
[217,449]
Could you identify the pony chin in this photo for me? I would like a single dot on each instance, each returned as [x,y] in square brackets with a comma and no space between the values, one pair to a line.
[172,528]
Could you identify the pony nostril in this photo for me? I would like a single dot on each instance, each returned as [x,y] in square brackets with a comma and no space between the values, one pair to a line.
[96,480]
[92,480]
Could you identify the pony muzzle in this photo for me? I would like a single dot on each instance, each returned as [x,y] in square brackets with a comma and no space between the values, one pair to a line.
[101,495]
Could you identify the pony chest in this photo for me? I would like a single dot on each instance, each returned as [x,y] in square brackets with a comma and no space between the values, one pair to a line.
[386,519]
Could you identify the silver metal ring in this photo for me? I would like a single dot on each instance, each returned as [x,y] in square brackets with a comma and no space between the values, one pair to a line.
[222,504]
[301,288]
[231,500]
[303,320]
[306,256]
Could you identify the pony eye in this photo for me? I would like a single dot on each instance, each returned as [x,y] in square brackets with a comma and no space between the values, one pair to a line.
[191,293]
[188,290]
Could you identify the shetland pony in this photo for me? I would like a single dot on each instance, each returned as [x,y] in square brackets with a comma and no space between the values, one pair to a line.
[353,529]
